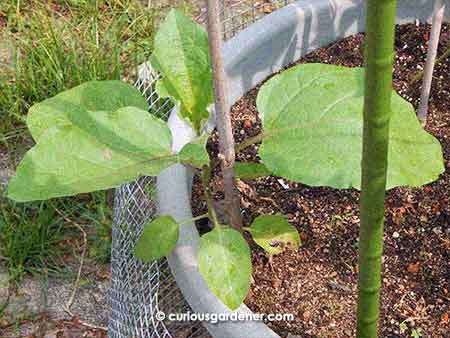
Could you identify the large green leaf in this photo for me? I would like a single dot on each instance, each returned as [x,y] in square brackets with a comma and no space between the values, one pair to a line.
[312,120]
[225,264]
[159,238]
[81,146]
[274,234]
[70,106]
[181,55]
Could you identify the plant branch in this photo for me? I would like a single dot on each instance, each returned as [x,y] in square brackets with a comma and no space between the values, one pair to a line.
[69,303]
[226,140]
[206,176]
[444,56]
[241,146]
[441,58]
[250,141]
[265,134]
[196,218]
[83,254]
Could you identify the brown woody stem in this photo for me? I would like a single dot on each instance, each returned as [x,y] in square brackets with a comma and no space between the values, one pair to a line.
[226,140]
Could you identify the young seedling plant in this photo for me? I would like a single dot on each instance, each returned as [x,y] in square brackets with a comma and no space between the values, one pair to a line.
[100,135]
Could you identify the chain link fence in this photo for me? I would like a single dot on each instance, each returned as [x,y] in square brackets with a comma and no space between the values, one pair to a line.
[139,291]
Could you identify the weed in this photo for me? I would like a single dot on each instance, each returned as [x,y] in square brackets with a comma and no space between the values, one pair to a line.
[59,44]
[35,235]
[28,234]
[97,214]
[47,47]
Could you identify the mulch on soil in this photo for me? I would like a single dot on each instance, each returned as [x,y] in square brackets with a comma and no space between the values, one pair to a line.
[317,283]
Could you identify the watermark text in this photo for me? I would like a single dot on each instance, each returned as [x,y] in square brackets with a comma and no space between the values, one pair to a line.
[214,318]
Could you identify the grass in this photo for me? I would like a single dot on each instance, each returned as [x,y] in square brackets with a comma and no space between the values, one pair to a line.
[56,45]
[28,234]
[47,47]
[39,235]
[97,216]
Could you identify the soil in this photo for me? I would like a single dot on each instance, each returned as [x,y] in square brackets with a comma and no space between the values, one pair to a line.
[317,283]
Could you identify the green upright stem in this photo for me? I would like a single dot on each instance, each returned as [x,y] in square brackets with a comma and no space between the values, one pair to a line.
[377,111]
[206,177]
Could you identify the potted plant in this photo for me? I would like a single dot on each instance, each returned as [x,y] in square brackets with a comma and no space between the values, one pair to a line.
[110,139]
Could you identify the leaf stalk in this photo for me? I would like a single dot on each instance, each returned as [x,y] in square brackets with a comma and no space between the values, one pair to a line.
[206,176]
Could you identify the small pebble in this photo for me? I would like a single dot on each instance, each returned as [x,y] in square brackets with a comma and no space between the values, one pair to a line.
[396,234]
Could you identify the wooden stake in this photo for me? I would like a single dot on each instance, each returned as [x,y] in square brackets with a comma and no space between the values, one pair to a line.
[438,16]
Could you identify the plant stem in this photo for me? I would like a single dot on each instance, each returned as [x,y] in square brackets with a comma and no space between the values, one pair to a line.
[196,218]
[241,146]
[250,141]
[226,140]
[438,16]
[441,58]
[206,176]
[377,112]
[444,55]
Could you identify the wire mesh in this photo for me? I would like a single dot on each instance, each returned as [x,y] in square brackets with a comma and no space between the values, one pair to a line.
[238,14]
[140,290]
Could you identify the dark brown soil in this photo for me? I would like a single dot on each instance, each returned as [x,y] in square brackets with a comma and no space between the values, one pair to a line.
[317,283]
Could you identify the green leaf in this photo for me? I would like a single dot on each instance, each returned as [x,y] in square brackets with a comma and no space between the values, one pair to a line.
[71,106]
[87,147]
[416,333]
[312,119]
[194,153]
[403,327]
[181,54]
[225,264]
[250,170]
[274,234]
[159,239]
